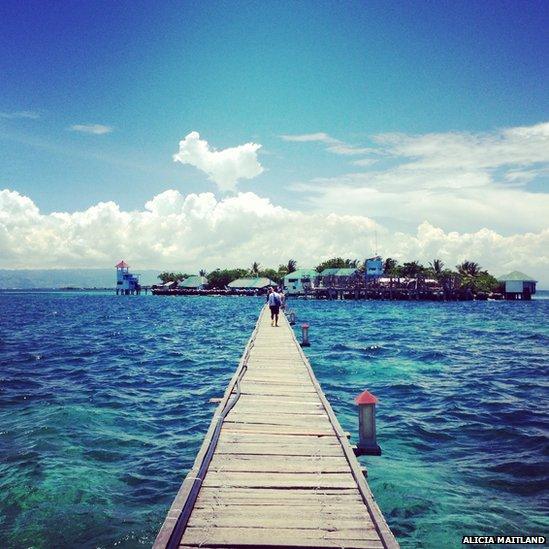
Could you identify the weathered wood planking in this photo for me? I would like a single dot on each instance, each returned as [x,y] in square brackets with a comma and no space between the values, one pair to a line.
[283,473]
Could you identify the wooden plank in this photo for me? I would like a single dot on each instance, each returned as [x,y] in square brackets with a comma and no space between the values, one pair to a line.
[258,416]
[353,513]
[289,389]
[292,430]
[285,480]
[240,537]
[256,379]
[324,495]
[278,449]
[294,508]
[276,380]
[292,405]
[246,518]
[273,464]
[228,434]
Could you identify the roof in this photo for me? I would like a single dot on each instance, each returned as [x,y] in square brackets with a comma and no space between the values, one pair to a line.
[366,398]
[194,281]
[302,273]
[338,272]
[122,265]
[258,282]
[328,272]
[516,275]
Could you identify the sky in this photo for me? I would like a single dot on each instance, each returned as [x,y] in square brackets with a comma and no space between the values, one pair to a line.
[192,135]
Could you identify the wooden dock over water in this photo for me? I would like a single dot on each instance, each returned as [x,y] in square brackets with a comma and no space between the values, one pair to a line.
[275,468]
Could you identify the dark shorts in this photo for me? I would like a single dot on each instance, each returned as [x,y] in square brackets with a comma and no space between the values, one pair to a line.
[274,309]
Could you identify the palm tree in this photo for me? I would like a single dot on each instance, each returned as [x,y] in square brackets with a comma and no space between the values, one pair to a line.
[291,266]
[468,268]
[255,269]
[437,266]
[202,272]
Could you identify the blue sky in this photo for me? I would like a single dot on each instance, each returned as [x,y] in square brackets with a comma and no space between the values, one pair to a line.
[241,72]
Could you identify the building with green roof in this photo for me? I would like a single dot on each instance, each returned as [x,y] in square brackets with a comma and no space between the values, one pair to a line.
[194,283]
[518,285]
[300,281]
[338,278]
[257,283]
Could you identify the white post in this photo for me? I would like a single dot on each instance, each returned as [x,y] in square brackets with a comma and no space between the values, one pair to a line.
[305,335]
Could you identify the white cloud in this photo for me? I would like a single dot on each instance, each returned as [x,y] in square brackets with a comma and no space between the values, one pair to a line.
[332,145]
[457,181]
[95,129]
[31,115]
[224,167]
[364,162]
[511,146]
[310,137]
[195,231]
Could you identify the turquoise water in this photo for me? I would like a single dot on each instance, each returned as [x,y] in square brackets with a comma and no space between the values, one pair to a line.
[104,403]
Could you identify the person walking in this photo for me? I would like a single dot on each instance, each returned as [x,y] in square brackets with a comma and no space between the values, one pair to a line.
[273,300]
[282,297]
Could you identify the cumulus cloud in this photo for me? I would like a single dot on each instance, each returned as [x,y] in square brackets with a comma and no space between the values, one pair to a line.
[195,231]
[95,129]
[224,167]
[31,115]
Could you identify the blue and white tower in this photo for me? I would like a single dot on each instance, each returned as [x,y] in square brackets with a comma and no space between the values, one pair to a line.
[126,283]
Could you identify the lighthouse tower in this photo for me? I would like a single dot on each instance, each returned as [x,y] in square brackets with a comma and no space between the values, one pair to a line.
[126,283]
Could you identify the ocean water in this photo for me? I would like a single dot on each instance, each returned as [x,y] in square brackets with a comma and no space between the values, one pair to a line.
[104,403]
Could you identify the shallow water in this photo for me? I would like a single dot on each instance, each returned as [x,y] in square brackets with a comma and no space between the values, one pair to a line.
[104,403]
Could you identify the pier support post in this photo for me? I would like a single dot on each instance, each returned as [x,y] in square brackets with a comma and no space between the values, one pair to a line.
[367,444]
[305,335]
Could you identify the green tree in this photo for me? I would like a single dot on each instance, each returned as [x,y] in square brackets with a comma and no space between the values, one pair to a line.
[476,279]
[485,282]
[275,276]
[412,269]
[254,271]
[390,266]
[219,278]
[172,277]
[202,272]
[334,263]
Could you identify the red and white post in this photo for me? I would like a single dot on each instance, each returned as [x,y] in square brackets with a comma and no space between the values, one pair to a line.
[367,443]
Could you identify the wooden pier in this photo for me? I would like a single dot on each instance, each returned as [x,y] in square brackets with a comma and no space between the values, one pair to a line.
[275,468]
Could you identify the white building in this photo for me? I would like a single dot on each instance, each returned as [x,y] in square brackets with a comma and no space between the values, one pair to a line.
[518,285]
[300,281]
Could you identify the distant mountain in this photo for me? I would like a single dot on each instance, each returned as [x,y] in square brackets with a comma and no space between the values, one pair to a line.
[59,278]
